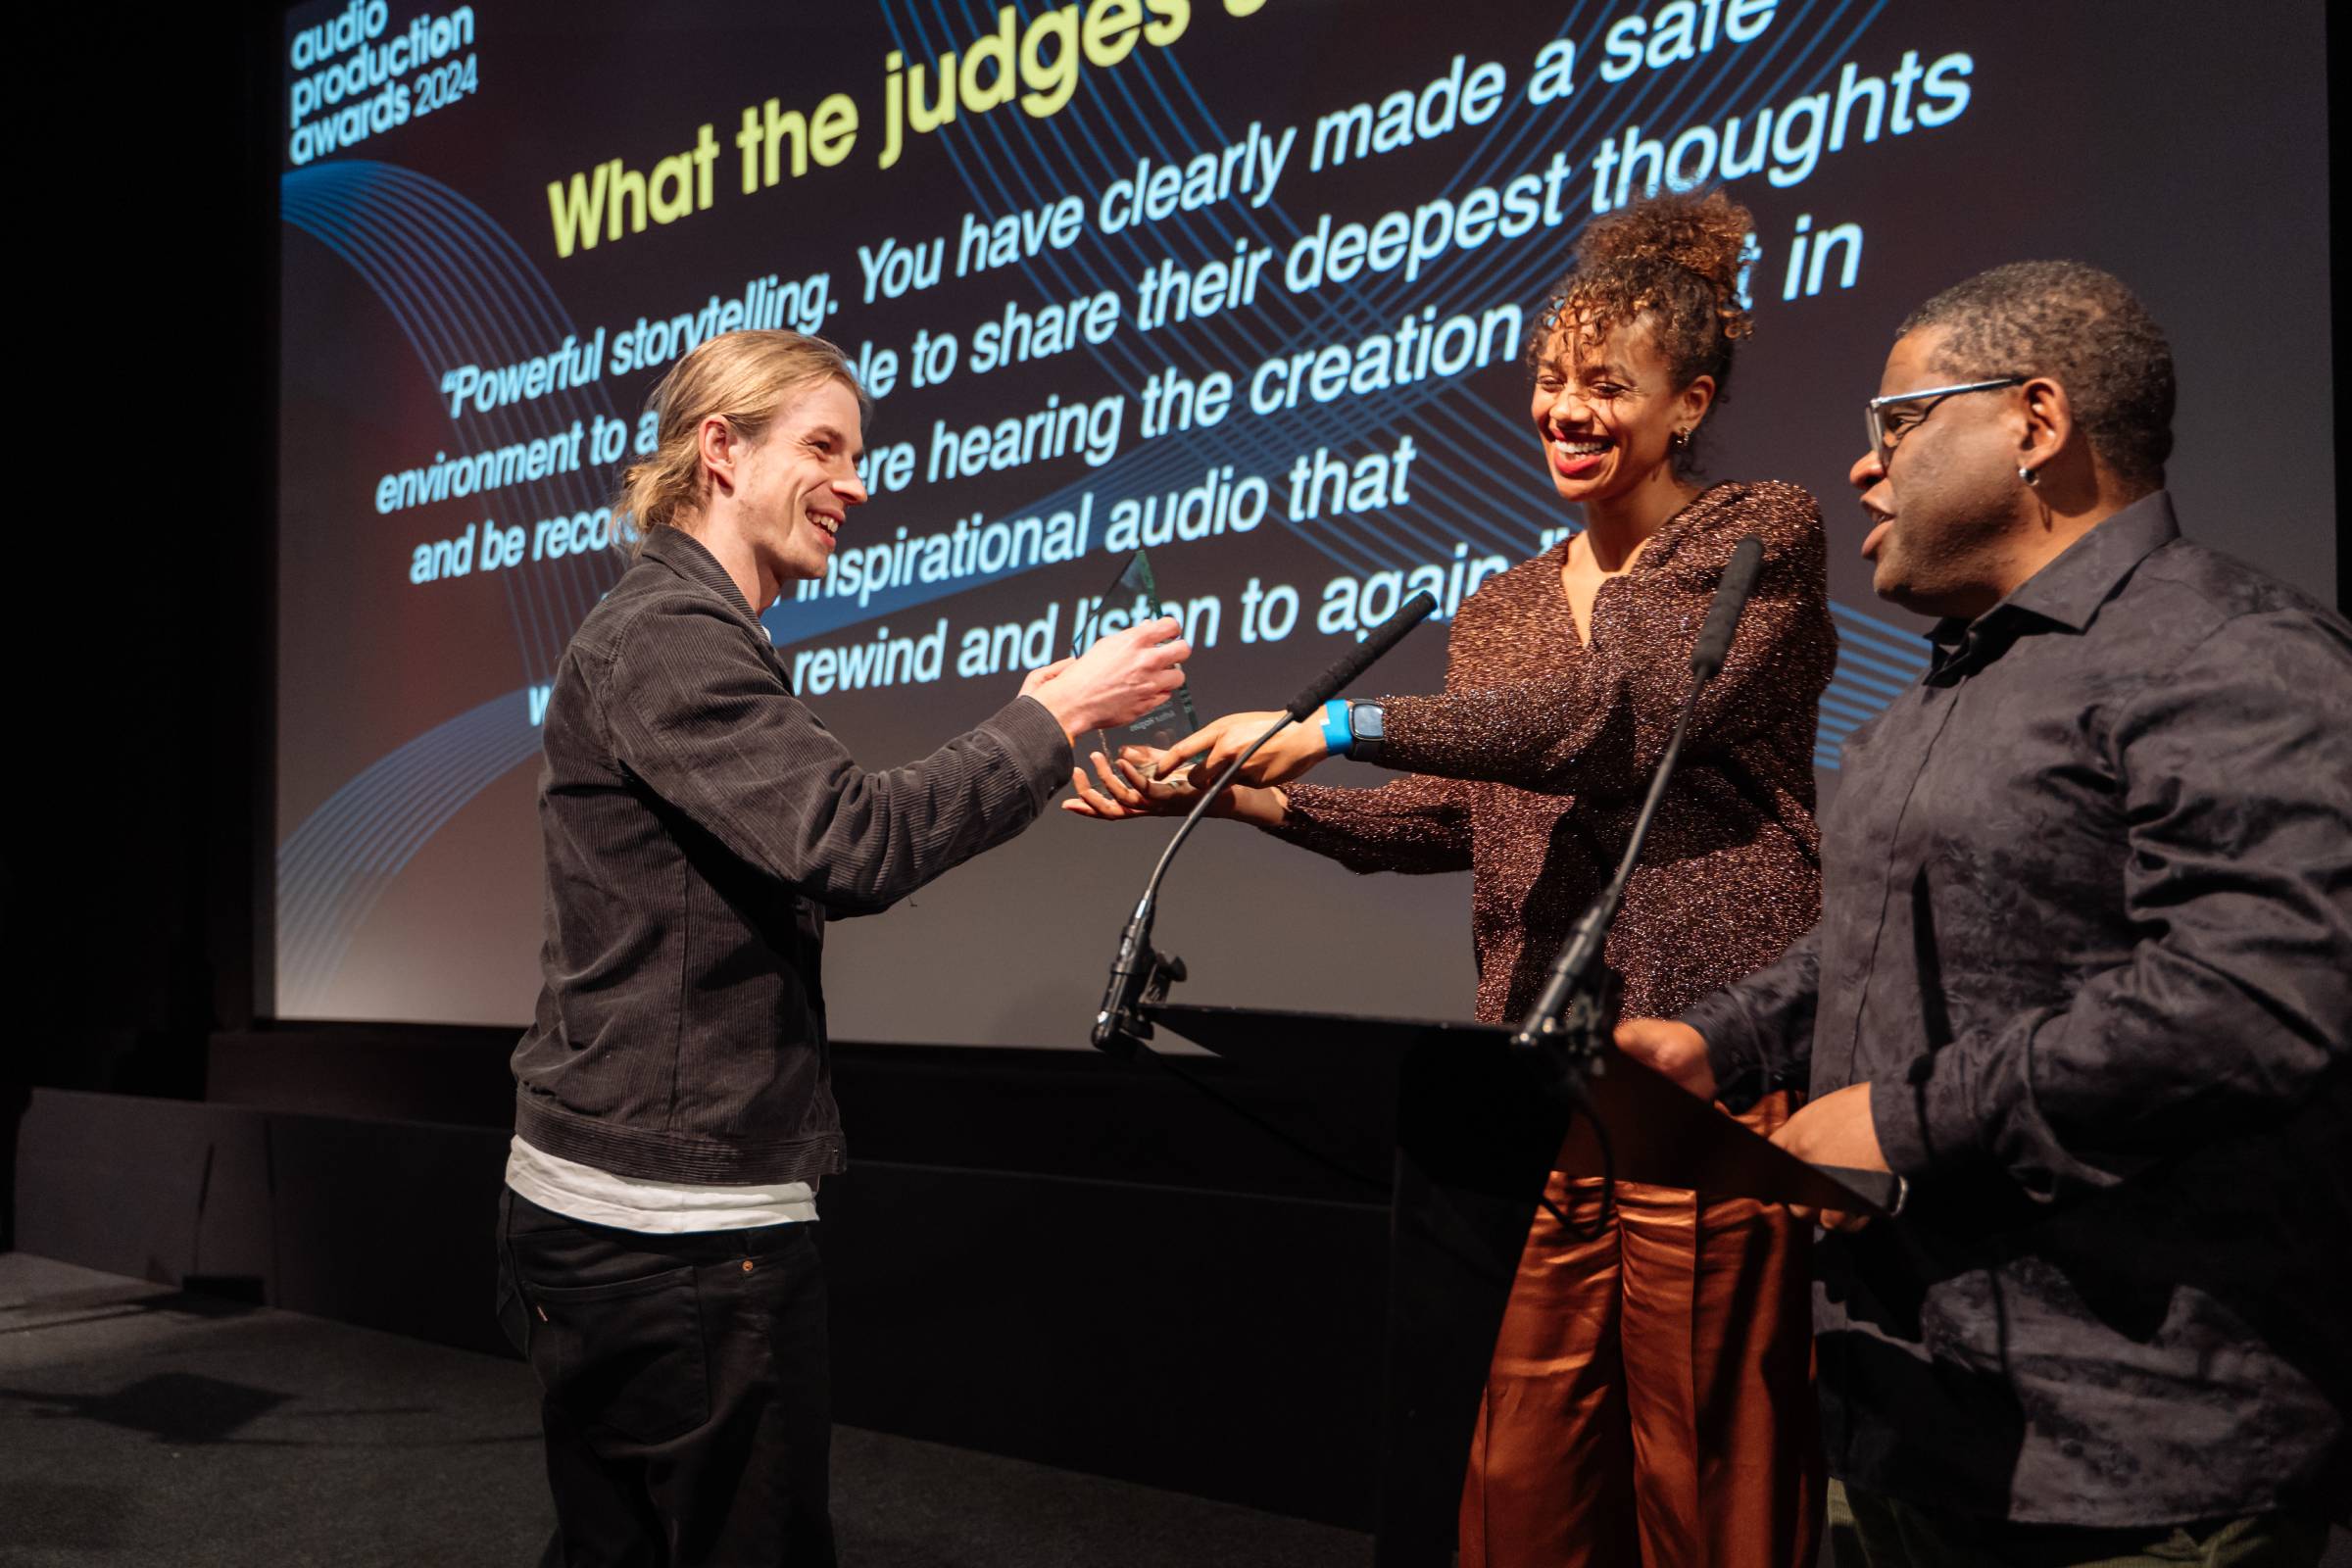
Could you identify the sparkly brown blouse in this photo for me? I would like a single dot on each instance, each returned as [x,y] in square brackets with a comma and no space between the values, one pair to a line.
[1530,770]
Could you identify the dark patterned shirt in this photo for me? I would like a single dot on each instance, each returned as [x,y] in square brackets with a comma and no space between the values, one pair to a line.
[2088,935]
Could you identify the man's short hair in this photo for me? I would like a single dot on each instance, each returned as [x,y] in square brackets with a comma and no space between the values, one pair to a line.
[2083,329]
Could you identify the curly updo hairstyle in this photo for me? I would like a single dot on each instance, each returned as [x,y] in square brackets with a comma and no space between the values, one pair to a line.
[1674,259]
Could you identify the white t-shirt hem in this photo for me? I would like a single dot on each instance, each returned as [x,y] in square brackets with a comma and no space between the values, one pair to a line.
[664,1208]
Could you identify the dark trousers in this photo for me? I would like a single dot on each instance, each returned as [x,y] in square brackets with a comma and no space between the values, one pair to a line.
[685,1390]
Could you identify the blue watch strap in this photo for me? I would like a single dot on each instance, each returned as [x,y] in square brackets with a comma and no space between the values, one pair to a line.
[1338,733]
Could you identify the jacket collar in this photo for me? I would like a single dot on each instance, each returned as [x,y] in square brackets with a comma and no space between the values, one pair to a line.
[688,557]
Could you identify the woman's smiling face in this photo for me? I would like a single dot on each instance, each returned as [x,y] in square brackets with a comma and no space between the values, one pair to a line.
[1606,409]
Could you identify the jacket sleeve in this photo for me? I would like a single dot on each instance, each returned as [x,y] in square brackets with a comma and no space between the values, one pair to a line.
[1412,824]
[1601,729]
[698,712]
[2236,999]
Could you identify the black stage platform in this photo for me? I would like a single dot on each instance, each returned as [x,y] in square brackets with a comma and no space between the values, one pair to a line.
[146,1425]
[142,1424]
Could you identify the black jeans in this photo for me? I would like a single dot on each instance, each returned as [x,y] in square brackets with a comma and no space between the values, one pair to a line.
[685,1390]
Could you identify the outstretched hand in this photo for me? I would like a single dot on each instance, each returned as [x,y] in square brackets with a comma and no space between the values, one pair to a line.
[1205,751]
[1128,788]
[1132,787]
[1038,678]
[1118,680]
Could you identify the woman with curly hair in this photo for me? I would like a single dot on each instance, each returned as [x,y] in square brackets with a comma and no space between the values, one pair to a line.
[1650,1397]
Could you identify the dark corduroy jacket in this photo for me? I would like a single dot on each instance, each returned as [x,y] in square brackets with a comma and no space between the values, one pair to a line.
[701,825]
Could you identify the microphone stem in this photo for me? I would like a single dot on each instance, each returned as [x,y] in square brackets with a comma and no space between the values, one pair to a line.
[1117,1022]
[1117,1027]
[1592,932]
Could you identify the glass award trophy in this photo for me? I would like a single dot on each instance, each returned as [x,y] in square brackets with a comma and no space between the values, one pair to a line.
[1134,595]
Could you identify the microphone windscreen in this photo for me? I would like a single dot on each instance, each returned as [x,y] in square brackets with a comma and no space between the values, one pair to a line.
[1723,617]
[1353,663]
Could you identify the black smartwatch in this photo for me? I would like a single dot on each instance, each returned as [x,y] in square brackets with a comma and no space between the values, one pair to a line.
[1367,722]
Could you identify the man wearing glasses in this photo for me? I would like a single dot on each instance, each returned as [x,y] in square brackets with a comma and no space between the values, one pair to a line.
[2082,979]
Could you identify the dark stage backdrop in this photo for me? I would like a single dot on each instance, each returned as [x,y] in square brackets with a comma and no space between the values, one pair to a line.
[1245,281]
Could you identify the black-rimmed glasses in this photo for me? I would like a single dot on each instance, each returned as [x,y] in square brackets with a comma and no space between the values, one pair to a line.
[1885,433]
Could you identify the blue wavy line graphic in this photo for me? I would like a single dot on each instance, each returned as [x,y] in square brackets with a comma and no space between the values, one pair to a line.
[461,290]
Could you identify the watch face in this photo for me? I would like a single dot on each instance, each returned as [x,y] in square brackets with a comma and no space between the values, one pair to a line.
[1367,719]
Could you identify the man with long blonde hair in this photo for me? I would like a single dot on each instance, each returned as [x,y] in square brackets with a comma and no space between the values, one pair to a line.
[674,1110]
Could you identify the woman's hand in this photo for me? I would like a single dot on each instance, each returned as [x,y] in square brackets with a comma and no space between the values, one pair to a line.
[1130,788]
[1205,751]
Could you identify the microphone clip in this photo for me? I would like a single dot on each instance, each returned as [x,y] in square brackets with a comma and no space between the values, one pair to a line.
[1140,977]
[1570,1043]
[1577,1042]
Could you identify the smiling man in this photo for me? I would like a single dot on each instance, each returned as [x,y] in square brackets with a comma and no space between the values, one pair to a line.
[674,1110]
[2082,978]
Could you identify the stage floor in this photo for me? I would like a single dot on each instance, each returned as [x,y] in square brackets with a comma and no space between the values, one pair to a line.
[141,1424]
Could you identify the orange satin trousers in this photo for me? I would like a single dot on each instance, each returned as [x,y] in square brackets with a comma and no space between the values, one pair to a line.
[1650,1399]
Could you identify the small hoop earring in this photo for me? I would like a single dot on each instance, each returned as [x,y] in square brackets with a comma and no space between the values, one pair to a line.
[1681,440]
[2030,477]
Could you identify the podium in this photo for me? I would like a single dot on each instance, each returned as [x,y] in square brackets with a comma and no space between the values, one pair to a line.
[1471,1130]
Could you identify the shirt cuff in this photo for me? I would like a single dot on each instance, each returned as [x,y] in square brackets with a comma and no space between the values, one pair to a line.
[1732,1051]
[1894,1115]
[1925,1116]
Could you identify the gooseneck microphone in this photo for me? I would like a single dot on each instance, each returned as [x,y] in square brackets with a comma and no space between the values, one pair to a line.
[1553,1017]
[1141,974]
[1722,616]
[1355,660]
